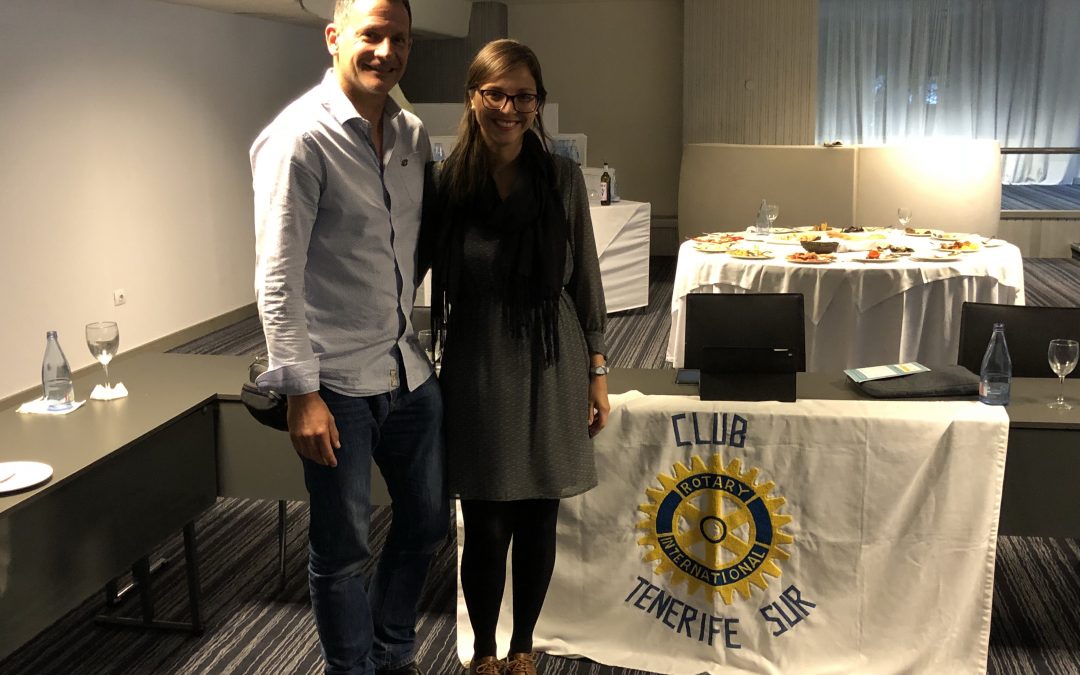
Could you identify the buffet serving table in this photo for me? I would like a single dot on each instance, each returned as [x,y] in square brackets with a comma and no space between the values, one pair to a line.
[858,313]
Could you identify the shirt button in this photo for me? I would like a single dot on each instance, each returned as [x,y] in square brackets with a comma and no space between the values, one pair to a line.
[404,162]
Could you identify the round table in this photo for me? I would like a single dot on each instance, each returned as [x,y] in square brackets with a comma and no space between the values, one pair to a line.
[860,314]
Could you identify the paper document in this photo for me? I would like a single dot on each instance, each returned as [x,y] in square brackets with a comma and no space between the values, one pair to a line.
[885,372]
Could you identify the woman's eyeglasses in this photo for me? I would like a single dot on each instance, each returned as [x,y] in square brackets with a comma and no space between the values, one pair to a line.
[523,103]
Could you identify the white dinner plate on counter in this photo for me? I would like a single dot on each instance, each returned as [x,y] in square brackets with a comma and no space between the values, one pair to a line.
[22,475]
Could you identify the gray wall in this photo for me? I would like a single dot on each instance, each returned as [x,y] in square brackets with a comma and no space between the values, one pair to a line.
[615,69]
[750,71]
[125,130]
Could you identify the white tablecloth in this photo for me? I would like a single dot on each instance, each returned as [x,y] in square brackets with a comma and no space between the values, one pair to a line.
[622,243]
[860,314]
[850,537]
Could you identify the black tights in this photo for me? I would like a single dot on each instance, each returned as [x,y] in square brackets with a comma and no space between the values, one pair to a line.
[489,527]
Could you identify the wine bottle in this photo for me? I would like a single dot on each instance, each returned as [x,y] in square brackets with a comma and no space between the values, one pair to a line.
[605,187]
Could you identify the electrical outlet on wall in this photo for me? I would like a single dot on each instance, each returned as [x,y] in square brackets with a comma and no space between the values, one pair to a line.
[119,297]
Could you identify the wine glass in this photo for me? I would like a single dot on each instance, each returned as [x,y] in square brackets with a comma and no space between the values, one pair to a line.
[772,212]
[1062,356]
[103,339]
[903,214]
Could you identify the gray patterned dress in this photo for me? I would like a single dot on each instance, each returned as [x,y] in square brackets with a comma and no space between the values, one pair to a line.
[515,429]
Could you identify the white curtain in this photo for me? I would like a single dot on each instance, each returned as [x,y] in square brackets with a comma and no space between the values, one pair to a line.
[991,69]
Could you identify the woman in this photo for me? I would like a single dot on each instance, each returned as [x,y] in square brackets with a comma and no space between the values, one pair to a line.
[520,310]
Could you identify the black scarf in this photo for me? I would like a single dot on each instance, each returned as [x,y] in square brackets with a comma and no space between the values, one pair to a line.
[532,232]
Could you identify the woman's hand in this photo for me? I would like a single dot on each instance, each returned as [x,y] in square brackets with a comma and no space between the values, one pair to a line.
[598,404]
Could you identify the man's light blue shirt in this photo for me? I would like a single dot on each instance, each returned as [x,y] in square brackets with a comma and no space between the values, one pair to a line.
[336,229]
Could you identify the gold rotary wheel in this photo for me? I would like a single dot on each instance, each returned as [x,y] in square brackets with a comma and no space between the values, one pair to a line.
[715,528]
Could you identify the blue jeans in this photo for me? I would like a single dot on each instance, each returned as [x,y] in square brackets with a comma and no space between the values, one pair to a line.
[359,629]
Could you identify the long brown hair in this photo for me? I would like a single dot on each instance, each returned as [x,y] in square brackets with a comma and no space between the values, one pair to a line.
[467,168]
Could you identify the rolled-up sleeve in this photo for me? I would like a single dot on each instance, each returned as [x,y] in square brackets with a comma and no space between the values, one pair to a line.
[585,285]
[287,177]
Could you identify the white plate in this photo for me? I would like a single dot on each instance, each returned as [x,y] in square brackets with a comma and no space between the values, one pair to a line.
[935,258]
[951,236]
[893,258]
[709,247]
[763,256]
[991,243]
[23,475]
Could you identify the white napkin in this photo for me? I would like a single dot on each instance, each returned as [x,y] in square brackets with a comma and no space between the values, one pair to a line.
[40,406]
[103,393]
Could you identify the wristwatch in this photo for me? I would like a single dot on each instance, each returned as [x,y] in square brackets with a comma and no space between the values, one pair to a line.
[598,370]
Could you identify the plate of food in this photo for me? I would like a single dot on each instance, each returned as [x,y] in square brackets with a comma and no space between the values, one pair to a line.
[752,253]
[937,256]
[791,239]
[917,232]
[964,246]
[718,237]
[896,249]
[948,236]
[807,258]
[877,255]
[712,247]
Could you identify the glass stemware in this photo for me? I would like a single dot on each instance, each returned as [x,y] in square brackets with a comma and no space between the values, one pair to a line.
[103,340]
[1062,355]
[903,214]
[772,212]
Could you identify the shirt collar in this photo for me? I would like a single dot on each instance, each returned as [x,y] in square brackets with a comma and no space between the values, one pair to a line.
[342,108]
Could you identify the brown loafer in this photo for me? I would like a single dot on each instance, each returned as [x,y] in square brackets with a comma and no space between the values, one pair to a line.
[486,665]
[521,664]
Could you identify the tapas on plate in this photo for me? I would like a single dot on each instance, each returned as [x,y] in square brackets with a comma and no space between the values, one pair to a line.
[895,248]
[807,258]
[964,246]
[948,236]
[917,232]
[713,247]
[718,237]
[879,255]
[752,253]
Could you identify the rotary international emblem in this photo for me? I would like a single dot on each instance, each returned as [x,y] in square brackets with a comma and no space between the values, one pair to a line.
[715,527]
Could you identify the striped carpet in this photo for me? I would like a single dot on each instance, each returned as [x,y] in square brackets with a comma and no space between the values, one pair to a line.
[253,627]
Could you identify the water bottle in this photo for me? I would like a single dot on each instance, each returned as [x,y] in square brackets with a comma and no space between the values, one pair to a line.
[995,375]
[56,375]
[761,225]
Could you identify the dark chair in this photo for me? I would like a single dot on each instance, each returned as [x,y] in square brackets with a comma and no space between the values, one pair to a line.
[744,320]
[1028,331]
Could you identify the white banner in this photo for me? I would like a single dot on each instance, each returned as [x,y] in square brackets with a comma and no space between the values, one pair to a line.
[812,537]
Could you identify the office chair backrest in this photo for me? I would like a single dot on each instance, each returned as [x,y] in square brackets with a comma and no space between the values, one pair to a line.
[744,320]
[1028,331]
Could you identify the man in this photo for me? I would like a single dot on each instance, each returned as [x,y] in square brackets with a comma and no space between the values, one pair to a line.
[338,178]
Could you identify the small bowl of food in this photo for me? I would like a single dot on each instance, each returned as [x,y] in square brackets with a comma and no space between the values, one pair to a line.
[820,247]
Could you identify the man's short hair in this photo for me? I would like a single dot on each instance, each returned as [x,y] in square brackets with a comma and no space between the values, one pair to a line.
[343,7]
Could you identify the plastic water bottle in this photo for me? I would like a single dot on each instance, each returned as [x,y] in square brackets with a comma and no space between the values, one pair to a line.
[56,375]
[995,375]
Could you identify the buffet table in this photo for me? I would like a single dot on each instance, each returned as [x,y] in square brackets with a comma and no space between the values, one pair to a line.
[809,537]
[857,313]
[622,244]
